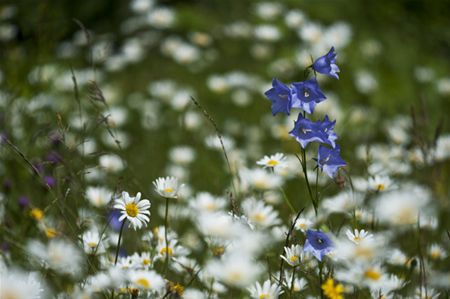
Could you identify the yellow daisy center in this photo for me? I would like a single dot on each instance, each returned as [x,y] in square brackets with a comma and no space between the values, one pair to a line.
[259,217]
[131,209]
[218,250]
[263,296]
[146,261]
[272,163]
[372,274]
[168,190]
[164,250]
[235,276]
[381,187]
[50,232]
[37,214]
[92,244]
[293,258]
[143,283]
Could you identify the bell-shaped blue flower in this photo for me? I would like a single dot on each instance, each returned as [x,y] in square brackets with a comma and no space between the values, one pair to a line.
[281,97]
[306,131]
[306,95]
[317,243]
[329,160]
[327,64]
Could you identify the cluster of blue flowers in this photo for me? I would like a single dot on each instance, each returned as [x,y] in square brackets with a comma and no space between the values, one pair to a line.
[306,95]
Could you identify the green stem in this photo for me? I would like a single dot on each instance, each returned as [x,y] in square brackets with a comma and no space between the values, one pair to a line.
[286,199]
[117,249]
[303,161]
[292,282]
[320,279]
[166,228]
[317,185]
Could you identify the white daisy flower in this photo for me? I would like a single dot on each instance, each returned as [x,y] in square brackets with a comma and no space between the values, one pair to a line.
[260,214]
[380,183]
[98,196]
[274,161]
[167,187]
[297,285]
[92,242]
[436,252]
[146,280]
[358,235]
[16,284]
[293,256]
[133,209]
[266,291]
[303,224]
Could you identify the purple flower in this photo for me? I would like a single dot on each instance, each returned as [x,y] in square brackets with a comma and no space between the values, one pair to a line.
[306,131]
[326,64]
[113,219]
[329,160]
[23,201]
[281,97]
[49,181]
[307,95]
[317,243]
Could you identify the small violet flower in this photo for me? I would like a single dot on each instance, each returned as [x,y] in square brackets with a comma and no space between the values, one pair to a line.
[306,131]
[307,95]
[317,243]
[329,160]
[281,97]
[326,64]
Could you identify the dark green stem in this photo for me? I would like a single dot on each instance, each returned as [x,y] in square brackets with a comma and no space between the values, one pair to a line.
[117,249]
[166,228]
[308,185]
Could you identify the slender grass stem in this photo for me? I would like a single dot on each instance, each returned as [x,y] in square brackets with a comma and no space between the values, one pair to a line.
[118,249]
[166,228]
[308,185]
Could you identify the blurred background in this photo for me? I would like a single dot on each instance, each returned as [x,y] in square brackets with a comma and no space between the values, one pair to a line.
[98,94]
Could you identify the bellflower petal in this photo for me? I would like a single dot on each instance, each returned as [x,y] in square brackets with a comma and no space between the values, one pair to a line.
[329,160]
[327,64]
[281,97]
[307,95]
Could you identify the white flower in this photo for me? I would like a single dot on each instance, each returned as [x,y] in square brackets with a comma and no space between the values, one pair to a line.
[16,284]
[297,285]
[379,183]
[358,236]
[167,187]
[111,163]
[426,293]
[436,252]
[293,256]
[206,203]
[146,280]
[133,209]
[303,224]
[402,206]
[273,161]
[161,17]
[266,291]
[182,155]
[92,242]
[237,269]
[260,214]
[59,255]
[259,179]
[98,196]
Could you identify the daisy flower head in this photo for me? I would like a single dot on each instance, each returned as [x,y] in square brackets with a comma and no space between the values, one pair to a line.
[146,280]
[293,255]
[274,161]
[266,291]
[358,235]
[133,209]
[167,187]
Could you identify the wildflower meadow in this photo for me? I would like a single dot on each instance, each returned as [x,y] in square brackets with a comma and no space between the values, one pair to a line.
[224,149]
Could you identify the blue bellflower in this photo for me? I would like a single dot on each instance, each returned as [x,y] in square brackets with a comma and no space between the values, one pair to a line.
[307,95]
[317,243]
[281,97]
[329,160]
[327,64]
[306,131]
